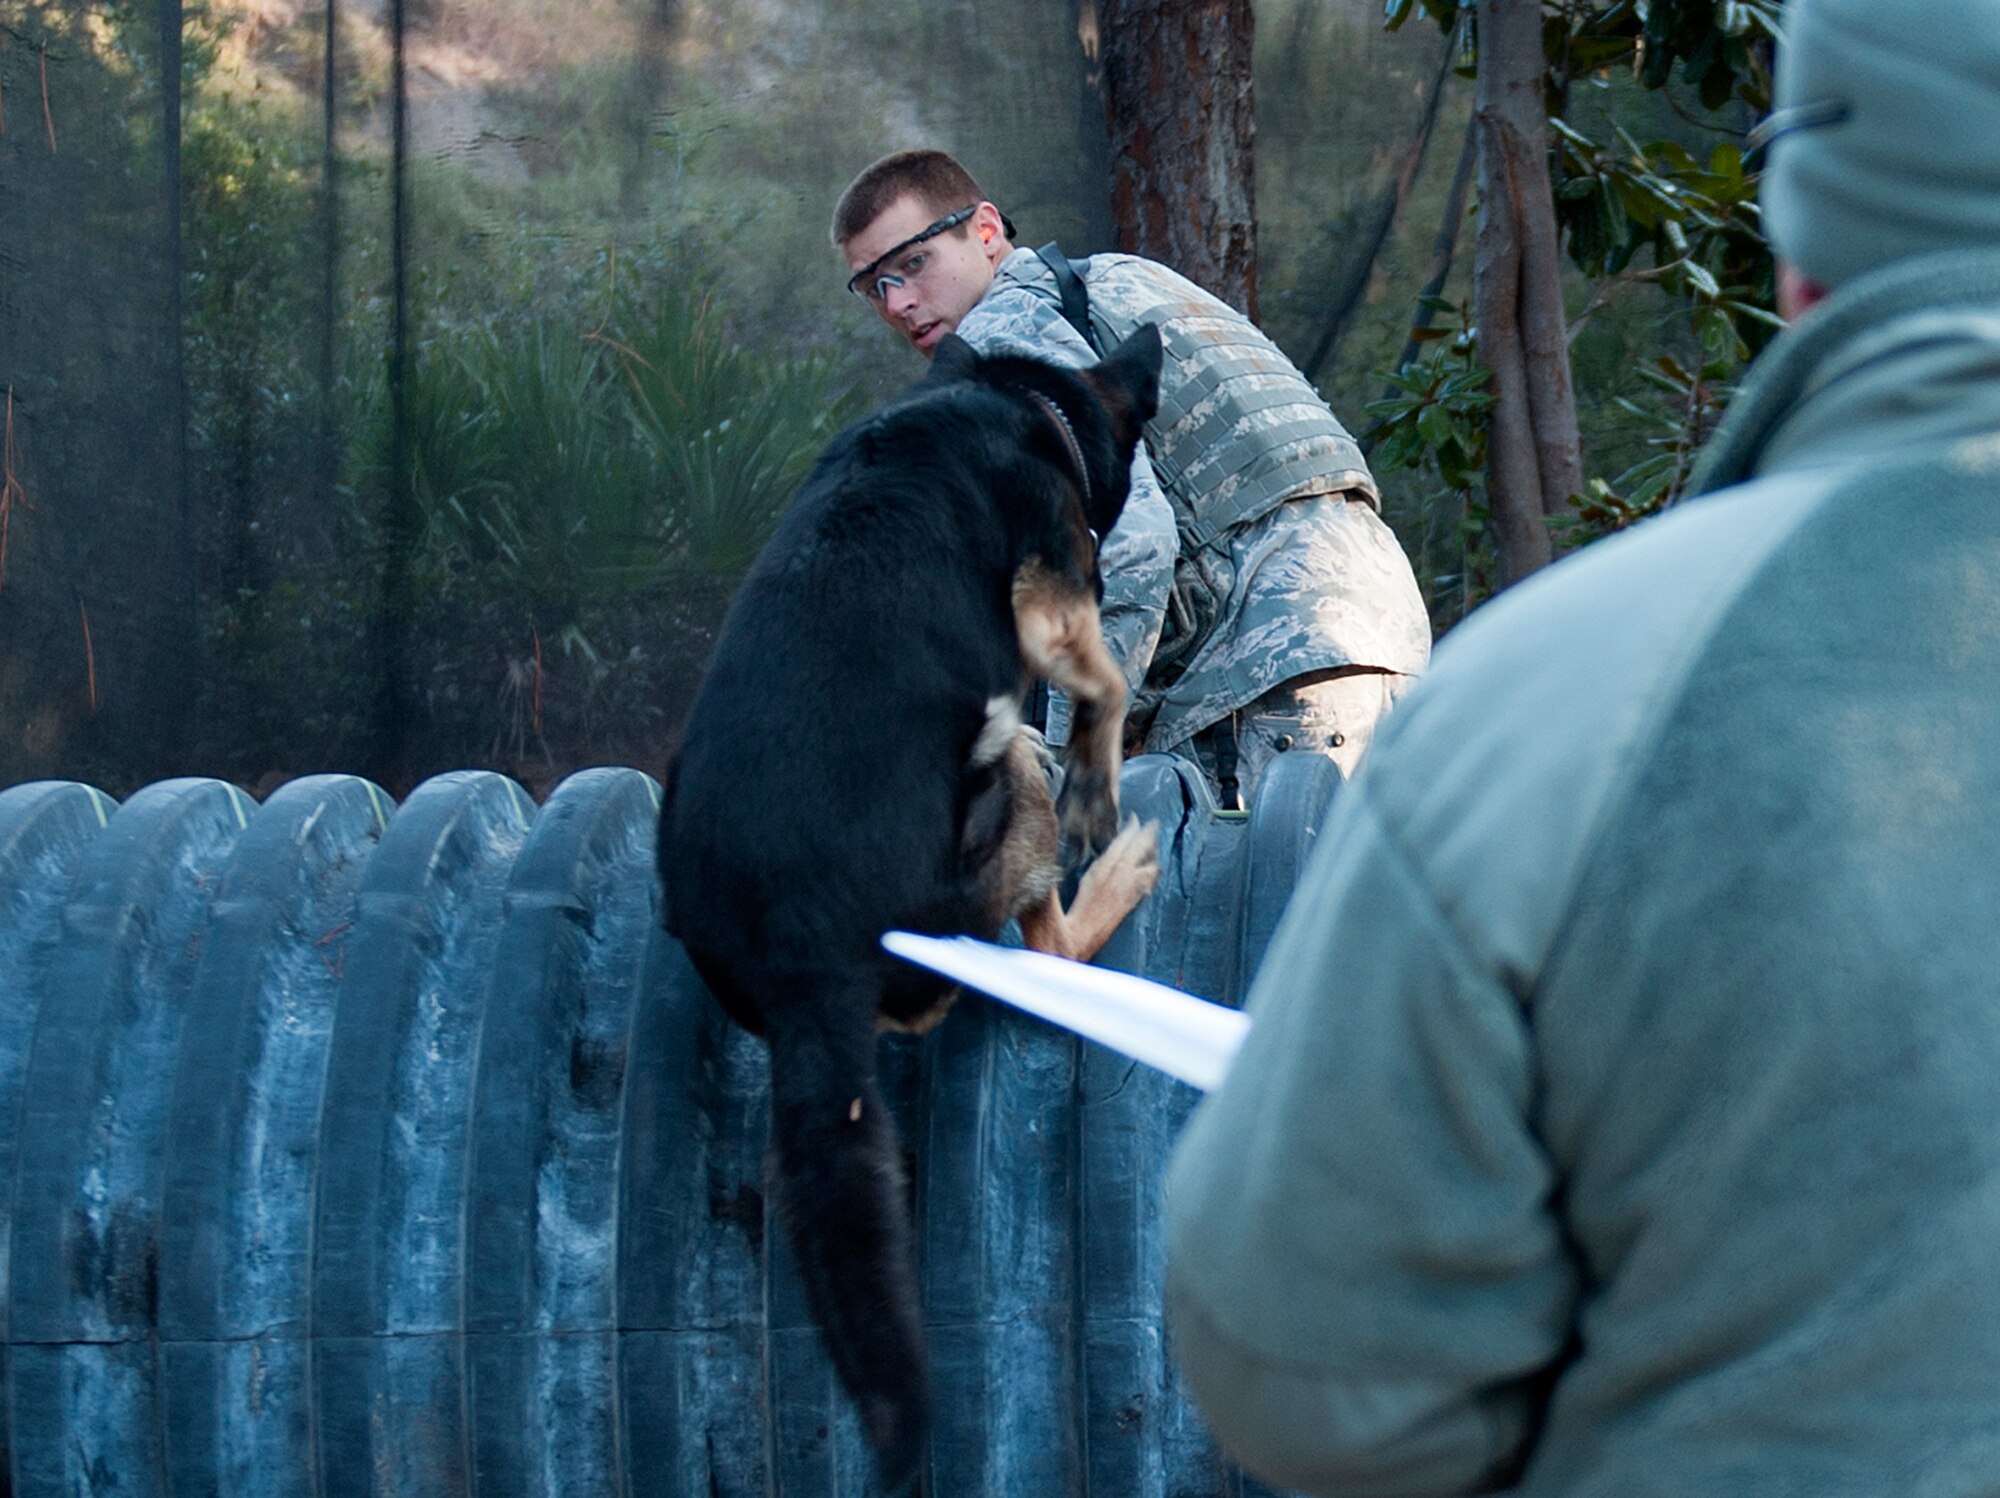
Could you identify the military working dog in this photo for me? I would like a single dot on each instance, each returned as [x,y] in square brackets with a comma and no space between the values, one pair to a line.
[855,762]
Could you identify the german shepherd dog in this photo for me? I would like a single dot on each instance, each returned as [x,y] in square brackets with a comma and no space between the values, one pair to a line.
[855,762]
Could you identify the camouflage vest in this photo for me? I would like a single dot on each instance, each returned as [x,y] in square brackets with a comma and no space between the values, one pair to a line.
[1239,430]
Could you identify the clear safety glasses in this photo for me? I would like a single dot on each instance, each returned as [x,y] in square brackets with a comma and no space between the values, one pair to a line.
[905,262]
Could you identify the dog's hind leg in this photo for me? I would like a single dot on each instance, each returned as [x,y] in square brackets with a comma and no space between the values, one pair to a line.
[1009,843]
[839,1182]
[1024,865]
[1061,640]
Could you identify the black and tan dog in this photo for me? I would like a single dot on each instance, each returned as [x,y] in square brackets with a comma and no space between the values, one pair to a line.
[855,763]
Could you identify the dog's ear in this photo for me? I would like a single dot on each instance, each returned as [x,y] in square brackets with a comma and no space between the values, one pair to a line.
[1128,383]
[952,360]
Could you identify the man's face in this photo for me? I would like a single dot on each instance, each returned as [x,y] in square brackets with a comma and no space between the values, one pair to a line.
[923,291]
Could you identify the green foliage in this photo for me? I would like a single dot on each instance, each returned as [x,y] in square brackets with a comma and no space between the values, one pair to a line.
[588,498]
[589,484]
[1717,45]
[1676,425]
[729,433]
[1670,225]
[1432,423]
[521,465]
[563,466]
[249,211]
[122,38]
[1433,414]
[1698,219]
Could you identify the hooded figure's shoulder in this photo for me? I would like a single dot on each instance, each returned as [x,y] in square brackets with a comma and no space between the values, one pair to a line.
[1538,708]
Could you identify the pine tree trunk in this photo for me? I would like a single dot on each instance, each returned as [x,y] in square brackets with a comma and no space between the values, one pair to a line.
[1180,113]
[1534,458]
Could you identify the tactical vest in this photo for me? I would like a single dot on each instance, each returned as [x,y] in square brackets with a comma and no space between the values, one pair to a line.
[1220,465]
[1239,430]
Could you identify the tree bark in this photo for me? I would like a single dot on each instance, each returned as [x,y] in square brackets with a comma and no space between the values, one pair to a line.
[1534,457]
[651,64]
[1180,114]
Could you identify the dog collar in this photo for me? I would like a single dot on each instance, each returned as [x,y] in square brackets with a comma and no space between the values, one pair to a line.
[1075,447]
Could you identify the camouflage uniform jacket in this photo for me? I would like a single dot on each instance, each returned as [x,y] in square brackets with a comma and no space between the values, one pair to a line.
[1309,580]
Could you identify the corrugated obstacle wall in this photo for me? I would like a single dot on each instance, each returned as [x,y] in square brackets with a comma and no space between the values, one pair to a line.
[348,1148]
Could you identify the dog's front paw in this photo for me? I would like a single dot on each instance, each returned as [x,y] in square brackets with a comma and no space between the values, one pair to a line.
[1126,872]
[1087,810]
[1137,851]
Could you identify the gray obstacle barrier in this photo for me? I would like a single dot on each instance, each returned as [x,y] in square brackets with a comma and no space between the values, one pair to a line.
[355,1148]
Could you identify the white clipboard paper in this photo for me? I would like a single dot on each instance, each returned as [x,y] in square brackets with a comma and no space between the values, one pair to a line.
[1181,1035]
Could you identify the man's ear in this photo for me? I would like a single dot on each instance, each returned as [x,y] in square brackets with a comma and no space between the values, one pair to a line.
[952,359]
[1128,382]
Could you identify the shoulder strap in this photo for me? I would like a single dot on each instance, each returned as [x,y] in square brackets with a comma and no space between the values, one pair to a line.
[1069,286]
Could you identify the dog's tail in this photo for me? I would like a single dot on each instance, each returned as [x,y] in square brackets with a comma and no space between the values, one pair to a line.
[842,1196]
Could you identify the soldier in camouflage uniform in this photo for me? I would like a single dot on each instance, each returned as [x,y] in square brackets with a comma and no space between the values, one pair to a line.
[1253,594]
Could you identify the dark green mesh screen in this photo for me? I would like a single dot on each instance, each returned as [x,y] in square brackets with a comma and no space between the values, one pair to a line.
[296,480]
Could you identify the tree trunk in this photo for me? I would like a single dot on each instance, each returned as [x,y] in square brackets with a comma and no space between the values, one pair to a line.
[651,65]
[1179,111]
[1534,459]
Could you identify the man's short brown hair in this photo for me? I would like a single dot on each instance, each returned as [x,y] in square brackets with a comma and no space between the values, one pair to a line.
[936,181]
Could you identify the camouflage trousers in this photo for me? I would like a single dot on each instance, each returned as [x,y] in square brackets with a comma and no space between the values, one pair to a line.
[1324,712]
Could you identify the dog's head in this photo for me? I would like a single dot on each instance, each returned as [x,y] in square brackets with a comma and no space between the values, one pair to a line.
[1085,424]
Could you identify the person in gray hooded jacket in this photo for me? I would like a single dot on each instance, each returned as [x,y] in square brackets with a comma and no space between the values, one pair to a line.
[1620,1114]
